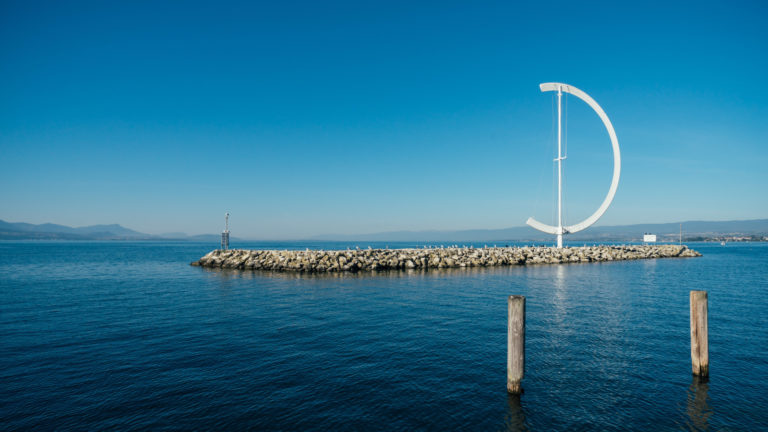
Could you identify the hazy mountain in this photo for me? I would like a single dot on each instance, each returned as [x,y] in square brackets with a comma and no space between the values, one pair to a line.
[48,231]
[173,235]
[22,231]
[599,233]
[198,237]
[113,229]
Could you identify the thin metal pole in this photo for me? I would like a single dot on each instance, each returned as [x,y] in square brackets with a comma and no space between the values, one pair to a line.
[559,167]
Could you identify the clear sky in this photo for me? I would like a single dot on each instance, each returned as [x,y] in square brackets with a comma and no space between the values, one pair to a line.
[355,117]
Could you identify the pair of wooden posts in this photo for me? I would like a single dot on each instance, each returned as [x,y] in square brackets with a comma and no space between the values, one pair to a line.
[516,339]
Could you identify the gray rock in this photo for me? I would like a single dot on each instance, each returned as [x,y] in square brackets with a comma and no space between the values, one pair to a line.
[385,259]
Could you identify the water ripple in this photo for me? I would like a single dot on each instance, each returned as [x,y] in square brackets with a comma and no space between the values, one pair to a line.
[128,336]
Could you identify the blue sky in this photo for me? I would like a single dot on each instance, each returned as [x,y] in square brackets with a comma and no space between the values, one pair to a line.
[354,117]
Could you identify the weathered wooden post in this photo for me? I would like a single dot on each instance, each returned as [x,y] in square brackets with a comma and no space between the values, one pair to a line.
[699,334]
[515,343]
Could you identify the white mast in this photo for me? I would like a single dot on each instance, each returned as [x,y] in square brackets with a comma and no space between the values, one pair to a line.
[559,166]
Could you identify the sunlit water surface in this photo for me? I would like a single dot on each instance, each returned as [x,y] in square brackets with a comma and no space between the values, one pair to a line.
[129,336]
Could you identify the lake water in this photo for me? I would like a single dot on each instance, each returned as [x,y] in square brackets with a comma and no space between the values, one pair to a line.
[124,336]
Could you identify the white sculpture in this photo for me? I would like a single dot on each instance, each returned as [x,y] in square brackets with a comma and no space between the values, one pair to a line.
[559,230]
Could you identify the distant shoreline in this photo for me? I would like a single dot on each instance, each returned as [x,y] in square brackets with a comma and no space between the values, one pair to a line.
[735,230]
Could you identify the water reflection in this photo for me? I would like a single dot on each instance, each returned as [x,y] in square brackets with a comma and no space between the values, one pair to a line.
[697,408]
[227,273]
[649,271]
[561,291]
[649,265]
[515,420]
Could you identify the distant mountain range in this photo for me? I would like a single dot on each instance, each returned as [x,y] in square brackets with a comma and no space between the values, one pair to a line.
[665,232]
[49,231]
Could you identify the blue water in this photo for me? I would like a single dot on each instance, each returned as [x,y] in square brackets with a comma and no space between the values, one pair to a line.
[128,336]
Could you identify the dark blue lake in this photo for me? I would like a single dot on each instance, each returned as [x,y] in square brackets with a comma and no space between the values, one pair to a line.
[129,336]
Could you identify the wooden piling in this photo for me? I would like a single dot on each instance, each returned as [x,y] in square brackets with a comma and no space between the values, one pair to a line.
[699,334]
[515,343]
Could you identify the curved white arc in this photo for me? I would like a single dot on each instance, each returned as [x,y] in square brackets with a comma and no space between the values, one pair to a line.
[616,163]
[541,227]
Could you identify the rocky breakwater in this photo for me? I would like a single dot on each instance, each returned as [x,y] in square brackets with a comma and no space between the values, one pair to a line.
[428,258]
